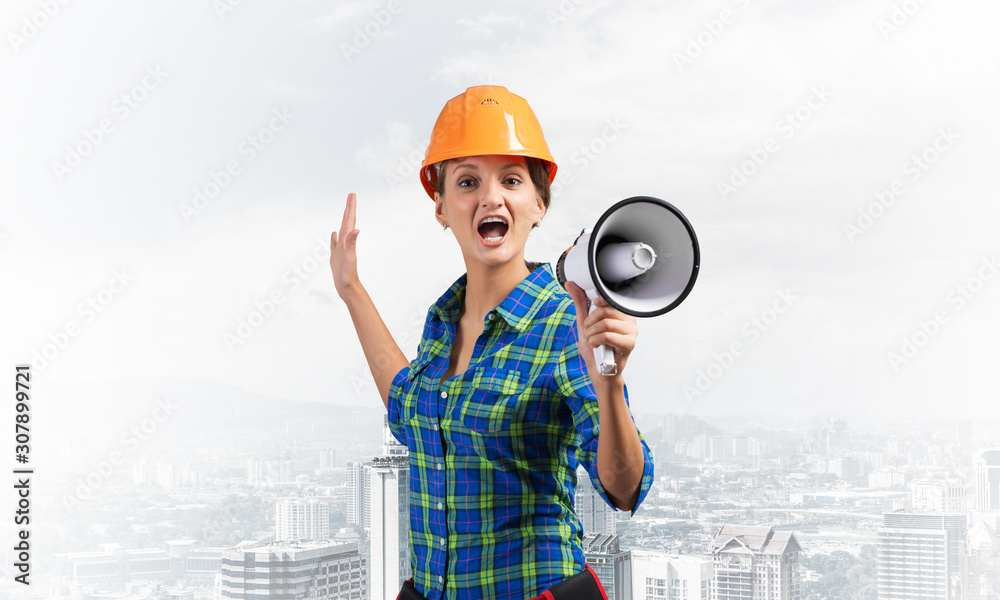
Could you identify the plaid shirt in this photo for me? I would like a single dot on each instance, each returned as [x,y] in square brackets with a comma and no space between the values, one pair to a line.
[494,450]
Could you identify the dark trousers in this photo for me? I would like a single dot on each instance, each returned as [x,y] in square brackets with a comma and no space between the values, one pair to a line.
[583,586]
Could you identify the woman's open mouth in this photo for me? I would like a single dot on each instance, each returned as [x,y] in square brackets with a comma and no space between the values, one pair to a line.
[493,230]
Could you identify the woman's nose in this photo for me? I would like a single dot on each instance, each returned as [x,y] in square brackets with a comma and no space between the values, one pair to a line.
[492,195]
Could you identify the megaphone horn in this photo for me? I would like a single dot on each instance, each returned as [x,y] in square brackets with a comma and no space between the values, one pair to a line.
[642,257]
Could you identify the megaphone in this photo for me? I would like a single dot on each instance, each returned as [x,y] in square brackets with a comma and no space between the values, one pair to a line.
[642,257]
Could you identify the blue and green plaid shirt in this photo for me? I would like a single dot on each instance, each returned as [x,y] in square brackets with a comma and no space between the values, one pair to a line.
[494,450]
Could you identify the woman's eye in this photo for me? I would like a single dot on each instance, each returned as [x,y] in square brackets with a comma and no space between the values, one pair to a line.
[512,180]
[468,181]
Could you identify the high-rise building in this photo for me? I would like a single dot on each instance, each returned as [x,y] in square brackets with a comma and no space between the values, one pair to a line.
[988,480]
[612,565]
[942,496]
[981,564]
[887,479]
[754,563]
[327,459]
[390,445]
[834,435]
[390,522]
[844,467]
[140,473]
[316,569]
[301,519]
[270,471]
[919,555]
[690,578]
[594,513]
[359,494]
[659,576]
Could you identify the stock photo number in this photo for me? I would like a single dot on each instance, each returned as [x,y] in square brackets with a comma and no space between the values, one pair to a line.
[22,474]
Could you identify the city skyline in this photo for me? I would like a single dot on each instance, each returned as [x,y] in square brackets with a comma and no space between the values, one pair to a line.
[834,485]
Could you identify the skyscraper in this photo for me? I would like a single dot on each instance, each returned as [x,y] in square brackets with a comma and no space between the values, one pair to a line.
[919,555]
[292,570]
[751,563]
[270,471]
[594,513]
[301,519]
[988,480]
[390,445]
[943,496]
[981,564]
[390,533]
[390,517]
[612,565]
[659,576]
[359,494]
[327,459]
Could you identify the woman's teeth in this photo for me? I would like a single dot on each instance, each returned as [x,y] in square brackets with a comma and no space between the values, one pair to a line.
[493,229]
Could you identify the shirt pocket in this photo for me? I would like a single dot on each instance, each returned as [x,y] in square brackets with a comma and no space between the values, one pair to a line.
[412,389]
[490,405]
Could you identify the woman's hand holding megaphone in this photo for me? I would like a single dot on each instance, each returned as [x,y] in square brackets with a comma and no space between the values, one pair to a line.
[343,251]
[619,449]
[602,324]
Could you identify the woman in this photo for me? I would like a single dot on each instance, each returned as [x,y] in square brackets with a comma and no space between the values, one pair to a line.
[503,399]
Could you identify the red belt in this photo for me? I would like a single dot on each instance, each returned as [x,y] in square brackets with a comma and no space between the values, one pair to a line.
[583,586]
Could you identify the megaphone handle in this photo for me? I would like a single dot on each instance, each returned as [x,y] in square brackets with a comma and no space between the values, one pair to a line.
[604,357]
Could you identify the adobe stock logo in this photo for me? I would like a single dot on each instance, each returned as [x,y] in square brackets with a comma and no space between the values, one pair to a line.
[752,330]
[33,25]
[373,29]
[915,167]
[122,107]
[787,127]
[956,299]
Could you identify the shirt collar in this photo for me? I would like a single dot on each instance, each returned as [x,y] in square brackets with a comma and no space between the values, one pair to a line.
[518,308]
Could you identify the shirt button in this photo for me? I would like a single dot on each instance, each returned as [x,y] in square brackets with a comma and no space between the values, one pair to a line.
[444,394]
[439,466]
[440,505]
[440,579]
[442,541]
[435,427]
[491,316]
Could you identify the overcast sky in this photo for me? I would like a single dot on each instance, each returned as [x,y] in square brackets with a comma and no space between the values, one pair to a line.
[811,300]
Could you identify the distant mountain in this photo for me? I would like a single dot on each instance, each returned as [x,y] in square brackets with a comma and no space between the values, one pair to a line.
[196,405]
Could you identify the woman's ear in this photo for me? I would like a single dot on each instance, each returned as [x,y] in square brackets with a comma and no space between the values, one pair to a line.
[439,209]
[539,208]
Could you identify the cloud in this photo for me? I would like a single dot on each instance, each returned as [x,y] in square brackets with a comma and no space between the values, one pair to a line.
[485,25]
[344,12]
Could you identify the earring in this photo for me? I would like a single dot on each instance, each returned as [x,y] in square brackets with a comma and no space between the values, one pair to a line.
[444,226]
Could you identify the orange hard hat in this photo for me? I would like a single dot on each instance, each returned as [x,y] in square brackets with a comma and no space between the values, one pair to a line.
[484,119]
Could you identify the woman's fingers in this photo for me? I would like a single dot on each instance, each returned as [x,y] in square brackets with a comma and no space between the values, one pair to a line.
[621,342]
[599,313]
[347,224]
[343,249]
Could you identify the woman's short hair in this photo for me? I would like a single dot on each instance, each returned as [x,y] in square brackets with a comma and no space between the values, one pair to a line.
[537,170]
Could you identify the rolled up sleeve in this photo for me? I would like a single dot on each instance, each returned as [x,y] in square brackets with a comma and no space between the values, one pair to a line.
[573,382]
[397,390]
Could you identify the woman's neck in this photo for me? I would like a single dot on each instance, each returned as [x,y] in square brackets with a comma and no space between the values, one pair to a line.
[487,286]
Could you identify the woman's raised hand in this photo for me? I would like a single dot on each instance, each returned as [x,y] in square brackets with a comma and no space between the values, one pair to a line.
[343,251]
